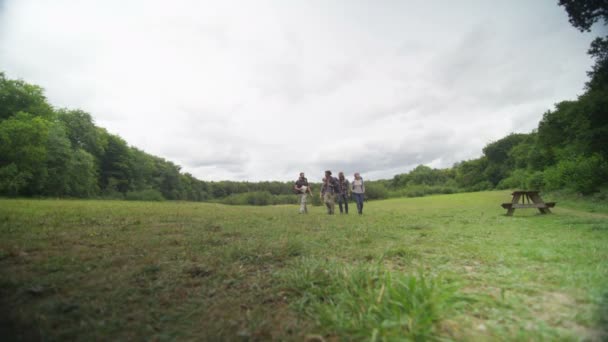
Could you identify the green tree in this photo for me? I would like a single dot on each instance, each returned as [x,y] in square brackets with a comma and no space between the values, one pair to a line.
[498,155]
[168,179]
[58,161]
[82,180]
[23,141]
[81,131]
[18,96]
[115,170]
[583,14]
[143,169]
[471,172]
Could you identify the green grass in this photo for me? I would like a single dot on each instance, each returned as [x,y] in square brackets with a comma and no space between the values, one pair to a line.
[439,267]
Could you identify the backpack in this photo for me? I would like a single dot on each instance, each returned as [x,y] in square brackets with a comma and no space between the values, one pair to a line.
[335,184]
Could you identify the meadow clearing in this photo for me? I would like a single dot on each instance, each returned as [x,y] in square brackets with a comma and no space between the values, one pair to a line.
[450,267]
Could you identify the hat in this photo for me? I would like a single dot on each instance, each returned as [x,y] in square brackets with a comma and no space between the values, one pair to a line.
[328,172]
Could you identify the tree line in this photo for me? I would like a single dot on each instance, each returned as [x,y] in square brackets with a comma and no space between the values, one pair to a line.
[61,153]
[49,152]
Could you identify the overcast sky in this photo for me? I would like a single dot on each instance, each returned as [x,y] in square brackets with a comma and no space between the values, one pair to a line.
[260,90]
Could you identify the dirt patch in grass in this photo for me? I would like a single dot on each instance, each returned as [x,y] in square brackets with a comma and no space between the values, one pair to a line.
[560,310]
[198,272]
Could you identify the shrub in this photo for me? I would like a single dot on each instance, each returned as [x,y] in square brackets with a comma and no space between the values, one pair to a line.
[516,180]
[522,179]
[250,198]
[375,190]
[423,190]
[259,198]
[144,195]
[316,199]
[536,181]
[581,174]
[112,195]
[286,199]
[12,181]
[481,186]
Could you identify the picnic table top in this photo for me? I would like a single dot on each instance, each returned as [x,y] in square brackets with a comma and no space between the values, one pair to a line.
[519,192]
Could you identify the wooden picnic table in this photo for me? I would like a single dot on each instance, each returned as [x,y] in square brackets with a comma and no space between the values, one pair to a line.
[534,201]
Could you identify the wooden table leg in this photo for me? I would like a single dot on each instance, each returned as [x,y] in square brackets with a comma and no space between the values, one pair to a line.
[537,200]
[514,200]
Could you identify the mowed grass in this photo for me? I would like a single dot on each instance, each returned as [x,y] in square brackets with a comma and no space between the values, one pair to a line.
[440,267]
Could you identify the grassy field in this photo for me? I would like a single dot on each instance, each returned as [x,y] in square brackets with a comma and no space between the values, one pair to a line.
[441,267]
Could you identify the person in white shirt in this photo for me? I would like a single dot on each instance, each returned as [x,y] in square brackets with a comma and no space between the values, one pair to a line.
[358,189]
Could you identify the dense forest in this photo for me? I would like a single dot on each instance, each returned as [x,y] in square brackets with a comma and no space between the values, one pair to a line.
[50,152]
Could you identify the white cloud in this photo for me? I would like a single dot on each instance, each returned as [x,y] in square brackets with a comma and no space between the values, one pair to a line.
[263,90]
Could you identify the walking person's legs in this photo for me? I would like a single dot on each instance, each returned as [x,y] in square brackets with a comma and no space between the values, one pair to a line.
[359,199]
[340,199]
[329,202]
[345,197]
[303,208]
[326,201]
[362,200]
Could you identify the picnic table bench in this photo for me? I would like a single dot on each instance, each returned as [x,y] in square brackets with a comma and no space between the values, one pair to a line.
[533,201]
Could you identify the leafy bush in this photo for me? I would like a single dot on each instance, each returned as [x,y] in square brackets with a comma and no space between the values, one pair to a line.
[601,195]
[523,179]
[110,194]
[286,199]
[11,180]
[316,200]
[516,180]
[536,181]
[375,190]
[250,198]
[259,198]
[144,195]
[423,190]
[481,186]
[582,174]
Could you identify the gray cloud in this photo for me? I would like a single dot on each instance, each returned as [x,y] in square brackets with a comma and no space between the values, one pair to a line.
[264,90]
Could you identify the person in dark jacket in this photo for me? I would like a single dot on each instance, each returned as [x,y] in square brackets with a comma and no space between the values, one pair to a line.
[329,189]
[344,193]
[303,189]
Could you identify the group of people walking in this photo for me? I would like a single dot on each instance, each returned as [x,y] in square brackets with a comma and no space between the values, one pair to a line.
[333,189]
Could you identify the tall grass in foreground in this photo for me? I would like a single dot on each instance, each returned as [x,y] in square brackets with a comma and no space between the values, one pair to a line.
[118,270]
[368,302]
